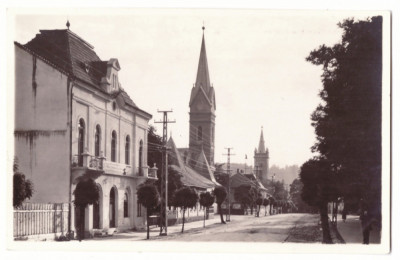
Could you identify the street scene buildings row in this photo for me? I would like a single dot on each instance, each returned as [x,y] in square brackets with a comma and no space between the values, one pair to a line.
[74,121]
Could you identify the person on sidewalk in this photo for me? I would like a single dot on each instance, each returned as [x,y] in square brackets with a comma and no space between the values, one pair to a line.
[344,214]
[365,223]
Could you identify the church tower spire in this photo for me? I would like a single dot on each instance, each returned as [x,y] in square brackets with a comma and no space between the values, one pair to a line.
[261,159]
[202,110]
[261,144]
[203,76]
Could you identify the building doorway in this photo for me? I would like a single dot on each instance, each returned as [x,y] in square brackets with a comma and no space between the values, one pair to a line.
[112,207]
[96,215]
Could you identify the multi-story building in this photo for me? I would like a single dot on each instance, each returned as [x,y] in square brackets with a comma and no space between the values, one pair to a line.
[73,120]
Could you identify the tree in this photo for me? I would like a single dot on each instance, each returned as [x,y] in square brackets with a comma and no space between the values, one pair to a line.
[174,183]
[265,203]
[254,194]
[319,188]
[220,196]
[206,200]
[149,197]
[259,202]
[242,195]
[271,204]
[348,122]
[86,193]
[154,152]
[295,194]
[22,188]
[185,197]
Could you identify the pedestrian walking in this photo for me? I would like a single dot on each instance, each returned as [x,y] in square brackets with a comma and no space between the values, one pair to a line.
[344,215]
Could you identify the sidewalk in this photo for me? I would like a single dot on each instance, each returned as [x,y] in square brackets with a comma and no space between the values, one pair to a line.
[174,230]
[351,231]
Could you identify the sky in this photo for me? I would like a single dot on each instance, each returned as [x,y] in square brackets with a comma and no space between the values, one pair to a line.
[256,60]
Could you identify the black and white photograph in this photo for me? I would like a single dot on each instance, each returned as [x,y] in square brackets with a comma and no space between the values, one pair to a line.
[191,129]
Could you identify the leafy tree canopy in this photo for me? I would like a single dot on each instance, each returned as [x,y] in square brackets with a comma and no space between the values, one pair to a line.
[148,196]
[206,199]
[348,122]
[220,194]
[86,193]
[186,197]
[22,188]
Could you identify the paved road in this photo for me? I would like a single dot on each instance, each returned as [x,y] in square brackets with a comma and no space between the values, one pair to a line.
[241,228]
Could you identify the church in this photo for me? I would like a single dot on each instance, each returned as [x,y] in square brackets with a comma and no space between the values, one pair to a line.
[261,160]
[198,158]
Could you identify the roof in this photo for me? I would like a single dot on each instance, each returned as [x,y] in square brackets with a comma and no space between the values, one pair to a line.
[261,144]
[252,177]
[203,78]
[190,177]
[71,54]
[238,180]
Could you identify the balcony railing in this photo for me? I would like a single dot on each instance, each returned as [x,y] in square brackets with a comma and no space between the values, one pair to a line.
[86,160]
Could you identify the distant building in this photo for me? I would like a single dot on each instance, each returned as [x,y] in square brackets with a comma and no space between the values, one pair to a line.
[73,120]
[261,160]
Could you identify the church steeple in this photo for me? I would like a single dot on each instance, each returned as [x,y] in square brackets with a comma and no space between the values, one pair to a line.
[261,144]
[203,77]
[202,110]
[261,159]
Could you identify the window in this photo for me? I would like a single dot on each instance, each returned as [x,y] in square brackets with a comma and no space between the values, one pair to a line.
[139,209]
[97,135]
[114,146]
[140,157]
[81,140]
[199,133]
[126,213]
[127,149]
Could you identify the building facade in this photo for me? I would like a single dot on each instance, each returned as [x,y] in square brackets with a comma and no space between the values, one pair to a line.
[73,121]
[261,160]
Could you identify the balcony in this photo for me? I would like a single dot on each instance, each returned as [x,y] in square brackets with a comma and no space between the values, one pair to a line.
[81,164]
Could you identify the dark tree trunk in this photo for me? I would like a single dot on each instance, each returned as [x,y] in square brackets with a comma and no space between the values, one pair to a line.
[220,214]
[204,223]
[183,220]
[326,234]
[148,223]
[270,209]
[265,212]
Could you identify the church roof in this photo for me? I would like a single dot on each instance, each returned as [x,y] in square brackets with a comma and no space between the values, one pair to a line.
[69,53]
[203,78]
[261,144]
[190,177]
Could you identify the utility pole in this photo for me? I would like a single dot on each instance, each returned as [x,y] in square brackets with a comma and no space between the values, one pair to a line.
[164,174]
[228,170]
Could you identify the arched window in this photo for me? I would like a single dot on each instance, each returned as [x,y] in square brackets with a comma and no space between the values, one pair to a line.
[81,141]
[127,149]
[97,136]
[199,133]
[126,213]
[140,157]
[114,146]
